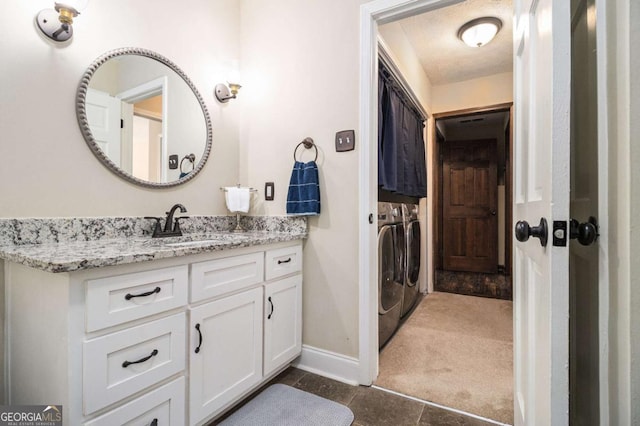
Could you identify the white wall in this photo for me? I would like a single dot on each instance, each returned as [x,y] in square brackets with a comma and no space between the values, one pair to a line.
[403,55]
[47,168]
[477,92]
[300,78]
[407,61]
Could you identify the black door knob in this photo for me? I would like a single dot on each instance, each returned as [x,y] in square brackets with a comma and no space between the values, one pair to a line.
[523,231]
[586,232]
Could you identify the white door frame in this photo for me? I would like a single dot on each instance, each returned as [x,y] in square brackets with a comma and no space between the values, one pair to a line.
[158,86]
[382,11]
[372,14]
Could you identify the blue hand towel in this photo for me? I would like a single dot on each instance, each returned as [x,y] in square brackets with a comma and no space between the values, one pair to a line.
[303,198]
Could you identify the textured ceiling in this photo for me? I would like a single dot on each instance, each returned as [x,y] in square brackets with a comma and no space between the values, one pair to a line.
[444,57]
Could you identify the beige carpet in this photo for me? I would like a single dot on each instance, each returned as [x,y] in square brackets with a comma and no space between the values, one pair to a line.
[455,351]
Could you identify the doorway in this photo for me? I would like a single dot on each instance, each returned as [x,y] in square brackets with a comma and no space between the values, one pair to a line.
[472,215]
[474,166]
[546,361]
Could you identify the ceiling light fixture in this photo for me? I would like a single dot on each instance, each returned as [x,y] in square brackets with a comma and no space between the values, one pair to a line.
[479,32]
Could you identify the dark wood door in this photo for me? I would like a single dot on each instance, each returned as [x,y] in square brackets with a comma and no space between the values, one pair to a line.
[470,203]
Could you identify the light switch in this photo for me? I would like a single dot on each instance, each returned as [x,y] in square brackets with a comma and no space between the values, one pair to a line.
[345,140]
[173,161]
[269,191]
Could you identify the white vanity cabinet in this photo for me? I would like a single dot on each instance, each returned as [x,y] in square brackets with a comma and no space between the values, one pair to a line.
[236,341]
[170,342]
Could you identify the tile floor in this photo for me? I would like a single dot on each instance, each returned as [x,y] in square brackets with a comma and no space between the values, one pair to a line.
[370,406]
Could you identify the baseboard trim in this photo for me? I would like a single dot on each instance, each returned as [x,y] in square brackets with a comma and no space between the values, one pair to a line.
[329,364]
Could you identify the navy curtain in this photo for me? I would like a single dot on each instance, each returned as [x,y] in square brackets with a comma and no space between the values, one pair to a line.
[401,163]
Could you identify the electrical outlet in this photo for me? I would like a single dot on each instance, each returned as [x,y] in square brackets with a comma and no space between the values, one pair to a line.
[345,140]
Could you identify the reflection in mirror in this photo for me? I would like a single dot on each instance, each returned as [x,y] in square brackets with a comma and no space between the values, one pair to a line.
[138,111]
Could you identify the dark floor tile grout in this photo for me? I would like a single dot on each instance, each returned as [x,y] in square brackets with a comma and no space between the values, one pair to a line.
[354,395]
[424,406]
[299,378]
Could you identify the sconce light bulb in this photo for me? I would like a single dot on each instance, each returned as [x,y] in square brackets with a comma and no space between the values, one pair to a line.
[66,13]
[77,5]
[234,88]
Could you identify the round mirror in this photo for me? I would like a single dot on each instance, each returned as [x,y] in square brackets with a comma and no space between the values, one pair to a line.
[143,118]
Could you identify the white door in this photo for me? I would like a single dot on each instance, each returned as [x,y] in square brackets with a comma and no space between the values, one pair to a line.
[103,115]
[542,61]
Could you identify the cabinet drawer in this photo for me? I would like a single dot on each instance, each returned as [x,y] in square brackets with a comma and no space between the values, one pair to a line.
[165,405]
[120,364]
[280,262]
[226,275]
[115,300]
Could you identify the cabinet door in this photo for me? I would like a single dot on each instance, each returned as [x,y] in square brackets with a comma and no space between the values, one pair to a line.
[282,322]
[225,351]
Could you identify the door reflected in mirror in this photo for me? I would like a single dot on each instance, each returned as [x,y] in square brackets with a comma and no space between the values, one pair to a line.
[140,110]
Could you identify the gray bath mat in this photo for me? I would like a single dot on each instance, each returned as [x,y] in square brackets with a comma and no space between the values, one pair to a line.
[282,405]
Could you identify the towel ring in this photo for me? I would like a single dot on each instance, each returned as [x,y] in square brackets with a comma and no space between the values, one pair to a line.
[308,143]
[191,158]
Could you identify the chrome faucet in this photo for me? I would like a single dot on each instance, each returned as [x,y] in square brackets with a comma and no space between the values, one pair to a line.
[171,226]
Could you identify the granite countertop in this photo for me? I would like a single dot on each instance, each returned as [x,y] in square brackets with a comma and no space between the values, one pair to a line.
[78,255]
[54,245]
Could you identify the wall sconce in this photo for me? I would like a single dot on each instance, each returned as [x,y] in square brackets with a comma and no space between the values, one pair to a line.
[225,92]
[479,32]
[57,24]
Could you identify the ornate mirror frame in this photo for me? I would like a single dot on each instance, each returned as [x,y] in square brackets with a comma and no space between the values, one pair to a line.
[83,122]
